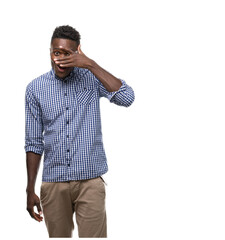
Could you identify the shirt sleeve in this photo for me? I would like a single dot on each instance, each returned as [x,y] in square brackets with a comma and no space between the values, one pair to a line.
[122,97]
[33,124]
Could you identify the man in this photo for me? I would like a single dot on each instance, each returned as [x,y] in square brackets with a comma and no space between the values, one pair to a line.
[63,121]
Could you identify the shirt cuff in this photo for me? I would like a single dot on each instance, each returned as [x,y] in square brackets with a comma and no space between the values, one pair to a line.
[37,150]
[122,88]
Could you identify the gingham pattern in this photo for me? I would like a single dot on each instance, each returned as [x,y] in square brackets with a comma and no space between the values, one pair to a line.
[63,121]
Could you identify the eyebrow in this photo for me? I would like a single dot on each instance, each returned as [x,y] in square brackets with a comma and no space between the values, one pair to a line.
[63,49]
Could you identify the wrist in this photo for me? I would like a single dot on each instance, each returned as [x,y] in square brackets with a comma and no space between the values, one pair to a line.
[30,190]
[91,64]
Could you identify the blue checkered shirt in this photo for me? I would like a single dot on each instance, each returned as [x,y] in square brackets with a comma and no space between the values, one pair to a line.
[63,121]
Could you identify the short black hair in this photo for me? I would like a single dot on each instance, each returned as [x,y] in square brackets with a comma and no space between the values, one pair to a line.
[66,32]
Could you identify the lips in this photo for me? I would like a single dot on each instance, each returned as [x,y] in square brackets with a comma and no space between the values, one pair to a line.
[61,69]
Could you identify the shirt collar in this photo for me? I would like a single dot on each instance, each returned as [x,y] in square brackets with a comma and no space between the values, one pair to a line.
[71,76]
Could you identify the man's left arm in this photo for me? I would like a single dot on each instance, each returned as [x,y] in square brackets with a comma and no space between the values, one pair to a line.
[114,89]
[110,82]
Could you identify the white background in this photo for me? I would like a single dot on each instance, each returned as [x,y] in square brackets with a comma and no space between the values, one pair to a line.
[166,152]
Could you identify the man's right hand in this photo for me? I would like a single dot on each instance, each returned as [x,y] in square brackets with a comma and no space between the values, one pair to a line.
[33,200]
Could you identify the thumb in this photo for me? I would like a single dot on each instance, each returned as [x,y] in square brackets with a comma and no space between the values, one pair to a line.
[39,208]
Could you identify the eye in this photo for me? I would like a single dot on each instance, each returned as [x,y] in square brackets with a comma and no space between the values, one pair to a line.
[56,53]
[67,54]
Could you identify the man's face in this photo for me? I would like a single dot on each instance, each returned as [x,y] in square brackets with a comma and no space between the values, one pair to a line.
[59,49]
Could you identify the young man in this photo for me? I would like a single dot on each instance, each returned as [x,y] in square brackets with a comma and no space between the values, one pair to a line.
[63,121]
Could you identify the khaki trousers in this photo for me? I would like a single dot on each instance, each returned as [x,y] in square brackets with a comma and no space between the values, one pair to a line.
[85,197]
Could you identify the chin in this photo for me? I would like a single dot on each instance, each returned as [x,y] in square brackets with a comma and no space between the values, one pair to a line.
[63,73]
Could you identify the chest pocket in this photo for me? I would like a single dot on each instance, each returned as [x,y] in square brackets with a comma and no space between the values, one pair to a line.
[85,95]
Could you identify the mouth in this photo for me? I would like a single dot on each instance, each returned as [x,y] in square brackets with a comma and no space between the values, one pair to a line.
[61,69]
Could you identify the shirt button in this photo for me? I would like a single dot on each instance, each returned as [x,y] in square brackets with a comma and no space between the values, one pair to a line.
[68,164]
[67,108]
[67,136]
[68,150]
[65,94]
[67,122]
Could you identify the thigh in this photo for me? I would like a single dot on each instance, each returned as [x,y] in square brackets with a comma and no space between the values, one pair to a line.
[90,209]
[57,209]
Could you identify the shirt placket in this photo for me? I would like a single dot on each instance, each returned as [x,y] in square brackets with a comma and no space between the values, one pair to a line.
[68,123]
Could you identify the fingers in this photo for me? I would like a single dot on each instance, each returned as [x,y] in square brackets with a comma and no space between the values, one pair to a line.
[73,60]
[38,217]
[62,58]
[63,61]
[65,54]
[68,59]
[67,50]
[33,200]
[34,215]
[66,65]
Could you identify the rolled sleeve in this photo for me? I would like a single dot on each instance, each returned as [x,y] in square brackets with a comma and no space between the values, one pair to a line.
[122,97]
[34,126]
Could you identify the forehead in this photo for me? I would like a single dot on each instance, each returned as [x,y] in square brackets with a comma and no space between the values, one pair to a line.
[64,43]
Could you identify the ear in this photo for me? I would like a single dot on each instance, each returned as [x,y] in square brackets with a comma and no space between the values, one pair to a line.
[79,50]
